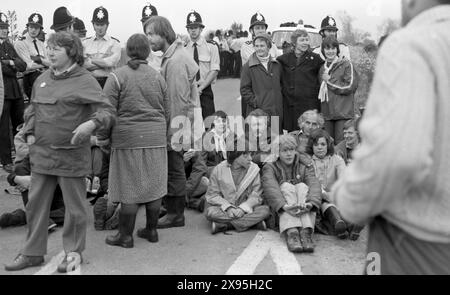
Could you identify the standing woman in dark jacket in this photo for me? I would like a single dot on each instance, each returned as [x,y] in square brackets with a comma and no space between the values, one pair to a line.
[138,166]
[13,105]
[300,79]
[261,80]
[67,106]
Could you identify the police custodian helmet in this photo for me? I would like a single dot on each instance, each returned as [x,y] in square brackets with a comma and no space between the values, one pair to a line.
[258,19]
[147,12]
[35,19]
[328,23]
[100,16]
[194,19]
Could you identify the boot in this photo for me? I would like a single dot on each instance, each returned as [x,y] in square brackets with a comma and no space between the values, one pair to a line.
[124,238]
[339,226]
[217,227]
[149,233]
[15,218]
[306,240]
[175,213]
[100,209]
[293,241]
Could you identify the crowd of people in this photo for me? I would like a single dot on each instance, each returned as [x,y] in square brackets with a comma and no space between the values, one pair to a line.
[300,132]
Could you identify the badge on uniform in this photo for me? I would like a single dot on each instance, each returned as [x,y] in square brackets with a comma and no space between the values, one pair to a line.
[43,84]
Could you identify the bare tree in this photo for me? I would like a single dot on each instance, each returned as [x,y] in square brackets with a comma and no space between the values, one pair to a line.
[236,27]
[12,19]
[388,26]
[348,33]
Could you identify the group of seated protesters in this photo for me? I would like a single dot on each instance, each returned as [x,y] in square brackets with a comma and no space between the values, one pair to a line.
[250,181]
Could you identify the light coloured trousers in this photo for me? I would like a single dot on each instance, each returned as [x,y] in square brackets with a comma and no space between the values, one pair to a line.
[295,195]
[38,210]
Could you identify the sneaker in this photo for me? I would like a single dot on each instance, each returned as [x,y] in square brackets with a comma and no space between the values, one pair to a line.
[70,263]
[100,209]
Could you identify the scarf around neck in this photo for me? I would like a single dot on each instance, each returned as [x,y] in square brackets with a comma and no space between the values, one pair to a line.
[323,93]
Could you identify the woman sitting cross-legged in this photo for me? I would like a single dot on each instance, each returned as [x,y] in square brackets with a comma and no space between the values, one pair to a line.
[234,193]
[329,167]
[293,193]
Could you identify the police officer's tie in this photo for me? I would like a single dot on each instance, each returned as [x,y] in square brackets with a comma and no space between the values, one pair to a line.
[35,46]
[197,77]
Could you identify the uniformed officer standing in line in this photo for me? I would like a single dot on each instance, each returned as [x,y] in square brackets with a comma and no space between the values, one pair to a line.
[206,55]
[258,26]
[79,29]
[102,52]
[329,28]
[32,51]
[62,20]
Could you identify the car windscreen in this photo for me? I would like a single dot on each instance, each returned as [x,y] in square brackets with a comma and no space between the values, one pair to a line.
[279,37]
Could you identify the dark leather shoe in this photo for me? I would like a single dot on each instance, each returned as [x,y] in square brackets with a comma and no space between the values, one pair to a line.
[149,234]
[355,232]
[293,242]
[306,240]
[218,227]
[120,240]
[23,261]
[171,220]
[70,263]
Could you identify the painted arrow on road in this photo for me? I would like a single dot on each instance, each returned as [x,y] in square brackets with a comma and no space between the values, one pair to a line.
[263,244]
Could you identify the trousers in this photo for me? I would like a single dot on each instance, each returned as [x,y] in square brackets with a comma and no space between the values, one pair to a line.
[260,213]
[13,110]
[38,210]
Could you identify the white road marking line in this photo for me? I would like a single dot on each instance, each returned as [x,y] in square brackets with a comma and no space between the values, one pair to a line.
[52,266]
[263,244]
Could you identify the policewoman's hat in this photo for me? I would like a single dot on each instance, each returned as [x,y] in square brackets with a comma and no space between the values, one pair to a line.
[194,19]
[3,21]
[100,16]
[148,11]
[78,25]
[258,19]
[61,18]
[328,23]
[36,19]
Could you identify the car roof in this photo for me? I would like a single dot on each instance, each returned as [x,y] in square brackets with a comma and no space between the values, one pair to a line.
[299,27]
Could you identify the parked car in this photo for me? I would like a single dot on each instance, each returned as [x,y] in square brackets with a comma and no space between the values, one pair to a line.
[281,36]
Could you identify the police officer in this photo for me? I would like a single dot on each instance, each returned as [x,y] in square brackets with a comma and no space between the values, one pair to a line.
[13,104]
[62,20]
[329,28]
[102,52]
[155,58]
[147,12]
[206,55]
[258,26]
[79,29]
[32,51]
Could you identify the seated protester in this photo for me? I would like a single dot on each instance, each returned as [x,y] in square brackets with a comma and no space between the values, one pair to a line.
[307,122]
[21,178]
[351,141]
[234,194]
[200,166]
[258,133]
[337,92]
[328,167]
[293,193]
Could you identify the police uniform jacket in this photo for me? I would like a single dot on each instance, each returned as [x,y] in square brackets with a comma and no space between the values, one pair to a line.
[106,48]
[10,84]
[25,49]
[208,56]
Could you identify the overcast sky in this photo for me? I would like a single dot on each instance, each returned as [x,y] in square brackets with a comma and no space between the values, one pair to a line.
[125,15]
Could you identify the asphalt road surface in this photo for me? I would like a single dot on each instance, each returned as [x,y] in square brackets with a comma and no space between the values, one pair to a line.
[190,250]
